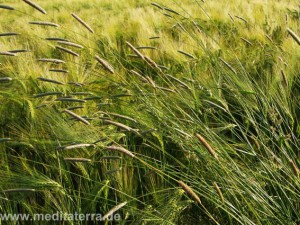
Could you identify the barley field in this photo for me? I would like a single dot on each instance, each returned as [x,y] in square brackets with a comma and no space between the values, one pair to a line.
[168,112]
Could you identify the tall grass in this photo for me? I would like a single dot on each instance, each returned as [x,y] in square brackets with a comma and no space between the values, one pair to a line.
[198,127]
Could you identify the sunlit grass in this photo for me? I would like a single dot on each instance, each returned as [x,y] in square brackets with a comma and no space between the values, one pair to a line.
[205,131]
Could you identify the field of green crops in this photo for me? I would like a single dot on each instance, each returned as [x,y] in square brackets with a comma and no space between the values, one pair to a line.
[174,112]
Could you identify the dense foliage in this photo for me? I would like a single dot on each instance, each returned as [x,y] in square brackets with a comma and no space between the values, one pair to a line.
[187,112]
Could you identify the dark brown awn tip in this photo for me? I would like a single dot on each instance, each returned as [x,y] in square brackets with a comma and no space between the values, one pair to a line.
[157,5]
[67,51]
[36,6]
[294,168]
[120,149]
[207,146]
[49,80]
[8,34]
[189,191]
[105,64]
[219,192]
[43,23]
[135,50]
[228,65]
[294,35]
[6,7]
[77,160]
[77,117]
[186,54]
[82,22]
